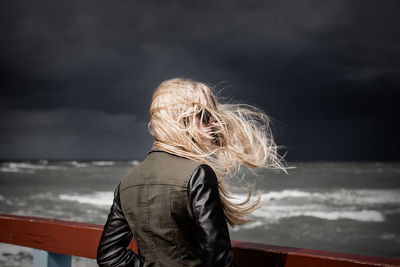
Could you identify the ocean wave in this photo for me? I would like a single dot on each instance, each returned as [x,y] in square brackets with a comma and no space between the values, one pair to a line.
[13,255]
[266,216]
[363,205]
[340,204]
[33,166]
[336,197]
[15,170]
[98,198]
[390,237]
[77,164]
[103,163]
[275,215]
[44,196]
[251,225]
[27,167]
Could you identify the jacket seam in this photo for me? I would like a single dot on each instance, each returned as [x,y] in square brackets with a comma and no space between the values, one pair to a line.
[148,224]
[135,234]
[173,228]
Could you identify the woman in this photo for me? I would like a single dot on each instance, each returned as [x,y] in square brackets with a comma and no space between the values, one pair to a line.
[175,203]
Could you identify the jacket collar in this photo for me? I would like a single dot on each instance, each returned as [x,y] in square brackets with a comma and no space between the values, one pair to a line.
[156,150]
[159,150]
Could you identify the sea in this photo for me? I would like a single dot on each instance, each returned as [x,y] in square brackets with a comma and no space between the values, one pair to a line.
[351,207]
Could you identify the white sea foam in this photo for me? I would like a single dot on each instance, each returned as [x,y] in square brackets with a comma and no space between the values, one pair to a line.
[390,237]
[362,215]
[337,197]
[285,194]
[103,163]
[99,198]
[359,197]
[44,196]
[274,213]
[77,164]
[13,169]
[361,205]
[26,167]
[252,224]
[13,255]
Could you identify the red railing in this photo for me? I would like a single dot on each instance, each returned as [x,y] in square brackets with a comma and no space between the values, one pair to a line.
[81,239]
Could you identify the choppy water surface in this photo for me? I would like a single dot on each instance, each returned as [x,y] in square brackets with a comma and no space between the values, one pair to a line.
[345,207]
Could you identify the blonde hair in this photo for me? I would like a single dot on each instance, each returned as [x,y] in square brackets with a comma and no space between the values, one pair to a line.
[240,134]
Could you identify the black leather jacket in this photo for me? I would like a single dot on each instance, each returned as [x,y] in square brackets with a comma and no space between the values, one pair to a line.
[205,202]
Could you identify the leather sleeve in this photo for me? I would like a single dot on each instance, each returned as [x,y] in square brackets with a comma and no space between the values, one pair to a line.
[115,238]
[209,217]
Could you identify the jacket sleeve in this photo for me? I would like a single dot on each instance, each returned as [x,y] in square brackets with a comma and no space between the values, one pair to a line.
[209,217]
[115,238]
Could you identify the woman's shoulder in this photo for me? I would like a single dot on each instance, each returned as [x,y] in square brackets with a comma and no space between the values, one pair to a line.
[203,174]
[160,167]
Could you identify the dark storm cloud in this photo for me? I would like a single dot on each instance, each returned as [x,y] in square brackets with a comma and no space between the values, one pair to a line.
[78,134]
[327,71]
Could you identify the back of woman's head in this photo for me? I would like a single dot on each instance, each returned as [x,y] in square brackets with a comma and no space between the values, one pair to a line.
[187,120]
[174,107]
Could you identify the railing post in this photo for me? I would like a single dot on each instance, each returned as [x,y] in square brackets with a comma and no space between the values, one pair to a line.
[42,258]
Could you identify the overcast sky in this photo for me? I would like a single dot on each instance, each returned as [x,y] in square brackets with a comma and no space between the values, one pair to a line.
[77,76]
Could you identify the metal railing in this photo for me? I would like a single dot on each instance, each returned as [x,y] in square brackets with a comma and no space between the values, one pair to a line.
[55,241]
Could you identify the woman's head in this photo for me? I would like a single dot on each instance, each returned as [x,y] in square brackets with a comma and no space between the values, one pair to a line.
[188,120]
[182,114]
[186,116]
